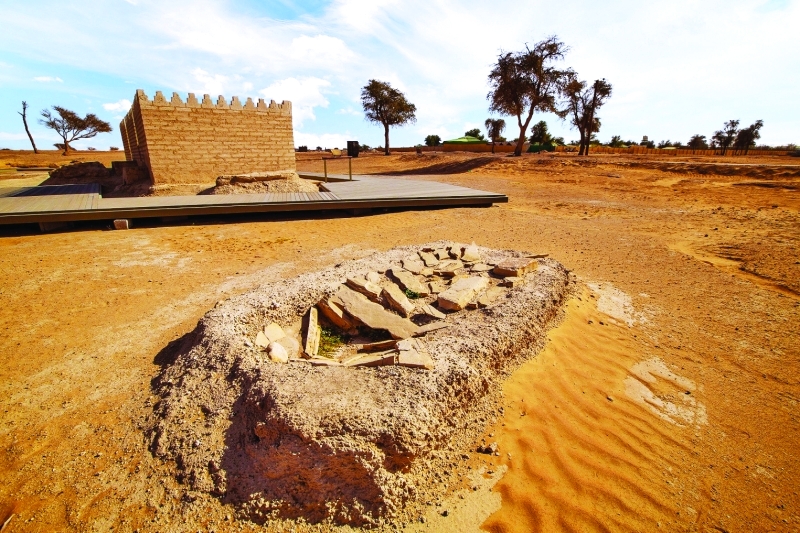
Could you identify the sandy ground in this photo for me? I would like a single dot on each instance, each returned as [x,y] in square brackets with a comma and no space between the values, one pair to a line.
[667,399]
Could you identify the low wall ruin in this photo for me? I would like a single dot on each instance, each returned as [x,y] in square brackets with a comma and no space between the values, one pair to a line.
[197,141]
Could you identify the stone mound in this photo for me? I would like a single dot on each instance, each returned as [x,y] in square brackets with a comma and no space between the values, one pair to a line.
[263,182]
[323,439]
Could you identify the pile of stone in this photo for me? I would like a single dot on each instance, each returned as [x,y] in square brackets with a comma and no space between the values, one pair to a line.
[264,182]
[384,314]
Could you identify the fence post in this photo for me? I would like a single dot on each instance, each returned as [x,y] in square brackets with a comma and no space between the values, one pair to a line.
[350,167]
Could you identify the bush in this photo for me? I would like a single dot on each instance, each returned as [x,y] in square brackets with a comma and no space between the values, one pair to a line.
[303,148]
[114,148]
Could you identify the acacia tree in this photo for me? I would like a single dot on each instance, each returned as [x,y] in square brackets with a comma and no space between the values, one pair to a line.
[25,123]
[383,104]
[697,142]
[724,137]
[475,132]
[582,103]
[433,140]
[494,129]
[748,136]
[540,134]
[525,82]
[72,127]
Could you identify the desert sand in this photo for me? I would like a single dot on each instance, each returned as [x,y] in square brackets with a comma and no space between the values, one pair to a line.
[666,399]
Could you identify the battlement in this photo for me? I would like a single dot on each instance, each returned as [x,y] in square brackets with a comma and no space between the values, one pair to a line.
[284,108]
[195,141]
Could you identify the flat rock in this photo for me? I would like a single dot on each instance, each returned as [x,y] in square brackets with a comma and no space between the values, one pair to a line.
[398,300]
[471,254]
[378,359]
[376,346]
[318,361]
[274,332]
[277,353]
[262,341]
[435,287]
[373,277]
[427,328]
[429,259]
[427,271]
[367,288]
[513,281]
[408,281]
[413,354]
[490,295]
[333,311]
[448,268]
[414,266]
[481,267]
[291,345]
[374,315]
[431,311]
[313,332]
[461,293]
[516,267]
[441,253]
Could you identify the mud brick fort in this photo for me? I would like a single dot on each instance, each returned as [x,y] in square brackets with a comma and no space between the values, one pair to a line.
[197,141]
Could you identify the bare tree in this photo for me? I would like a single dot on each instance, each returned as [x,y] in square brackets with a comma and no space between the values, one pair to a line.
[582,103]
[25,122]
[748,136]
[385,105]
[72,127]
[525,82]
[724,137]
[494,128]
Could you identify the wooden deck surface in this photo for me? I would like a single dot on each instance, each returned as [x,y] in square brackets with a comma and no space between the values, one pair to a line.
[62,203]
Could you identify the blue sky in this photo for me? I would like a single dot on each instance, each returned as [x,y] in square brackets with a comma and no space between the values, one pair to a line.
[677,68]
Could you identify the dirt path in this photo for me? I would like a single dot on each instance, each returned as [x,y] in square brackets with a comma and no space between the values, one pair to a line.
[700,275]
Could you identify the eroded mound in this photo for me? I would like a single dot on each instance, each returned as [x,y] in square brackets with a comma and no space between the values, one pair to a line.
[263,182]
[350,444]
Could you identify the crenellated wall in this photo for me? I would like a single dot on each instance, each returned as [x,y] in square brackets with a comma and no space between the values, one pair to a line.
[196,141]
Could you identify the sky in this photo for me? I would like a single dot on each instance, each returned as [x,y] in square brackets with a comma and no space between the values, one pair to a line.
[677,68]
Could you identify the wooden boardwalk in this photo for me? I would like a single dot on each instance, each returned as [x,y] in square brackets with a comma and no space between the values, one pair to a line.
[65,203]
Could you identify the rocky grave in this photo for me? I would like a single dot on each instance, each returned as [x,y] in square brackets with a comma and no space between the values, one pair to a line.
[329,395]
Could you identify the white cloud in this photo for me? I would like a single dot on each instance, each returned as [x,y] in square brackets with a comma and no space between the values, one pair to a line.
[304,93]
[350,111]
[4,136]
[211,84]
[48,79]
[122,105]
[675,69]
[325,140]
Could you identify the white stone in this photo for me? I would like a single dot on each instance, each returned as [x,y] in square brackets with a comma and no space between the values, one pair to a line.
[471,253]
[274,332]
[262,341]
[461,293]
[278,353]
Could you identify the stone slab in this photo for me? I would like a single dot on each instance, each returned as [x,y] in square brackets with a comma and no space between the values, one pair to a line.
[312,333]
[374,315]
[516,267]
[408,281]
[398,300]
[490,295]
[274,332]
[461,293]
[367,288]
[334,312]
